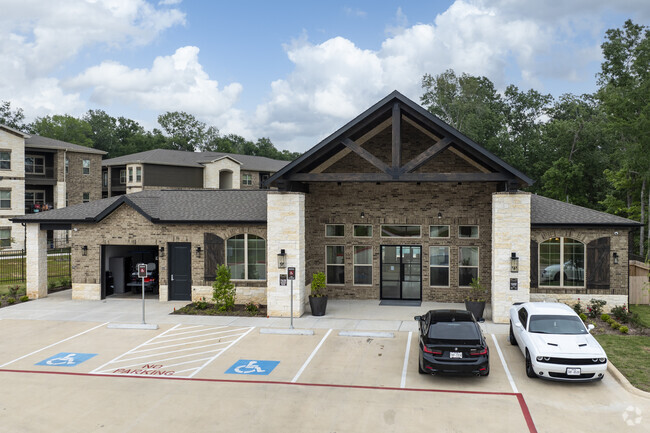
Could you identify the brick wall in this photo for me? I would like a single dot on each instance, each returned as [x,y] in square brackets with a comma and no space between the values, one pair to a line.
[76,182]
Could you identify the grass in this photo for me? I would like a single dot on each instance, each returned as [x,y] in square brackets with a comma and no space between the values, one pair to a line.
[644,313]
[631,356]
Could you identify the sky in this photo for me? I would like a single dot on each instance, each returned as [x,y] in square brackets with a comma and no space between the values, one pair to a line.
[293,71]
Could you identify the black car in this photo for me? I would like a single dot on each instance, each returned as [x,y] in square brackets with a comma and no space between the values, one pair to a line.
[451,341]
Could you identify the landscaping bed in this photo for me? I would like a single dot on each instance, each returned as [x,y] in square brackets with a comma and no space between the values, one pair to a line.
[12,295]
[210,309]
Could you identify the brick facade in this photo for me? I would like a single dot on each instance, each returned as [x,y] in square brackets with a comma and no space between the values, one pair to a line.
[76,182]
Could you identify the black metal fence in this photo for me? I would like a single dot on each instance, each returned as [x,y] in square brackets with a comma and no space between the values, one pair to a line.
[13,264]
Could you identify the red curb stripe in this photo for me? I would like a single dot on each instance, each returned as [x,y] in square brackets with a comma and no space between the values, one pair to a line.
[526,412]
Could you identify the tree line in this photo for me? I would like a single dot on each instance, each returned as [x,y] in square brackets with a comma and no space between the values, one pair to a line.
[122,136]
[591,150]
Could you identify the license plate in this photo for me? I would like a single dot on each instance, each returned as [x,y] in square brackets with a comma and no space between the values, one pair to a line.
[573,372]
[455,354]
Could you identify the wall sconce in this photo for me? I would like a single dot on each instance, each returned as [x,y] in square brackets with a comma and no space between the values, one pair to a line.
[363,215]
[198,251]
[615,258]
[84,250]
[282,260]
[162,251]
[439,215]
[514,263]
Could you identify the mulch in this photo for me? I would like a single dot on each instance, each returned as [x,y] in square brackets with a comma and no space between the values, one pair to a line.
[211,310]
[605,328]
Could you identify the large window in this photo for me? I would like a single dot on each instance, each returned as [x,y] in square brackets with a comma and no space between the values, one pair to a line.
[562,263]
[5,237]
[467,265]
[439,266]
[335,264]
[5,199]
[138,174]
[439,231]
[5,160]
[401,231]
[362,265]
[362,231]
[247,179]
[85,166]
[246,257]
[468,232]
[33,198]
[334,230]
[34,165]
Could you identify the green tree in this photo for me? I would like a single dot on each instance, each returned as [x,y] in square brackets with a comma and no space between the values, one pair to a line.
[12,118]
[224,291]
[186,132]
[65,128]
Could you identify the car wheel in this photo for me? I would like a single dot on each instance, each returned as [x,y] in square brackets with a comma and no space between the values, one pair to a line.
[486,372]
[513,340]
[529,367]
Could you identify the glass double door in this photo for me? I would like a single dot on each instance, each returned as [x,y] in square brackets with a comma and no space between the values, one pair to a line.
[401,272]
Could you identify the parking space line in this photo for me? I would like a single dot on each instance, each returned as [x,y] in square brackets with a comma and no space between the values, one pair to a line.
[295,379]
[406,361]
[52,345]
[505,366]
[219,354]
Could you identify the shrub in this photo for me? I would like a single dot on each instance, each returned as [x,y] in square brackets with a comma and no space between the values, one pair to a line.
[318,284]
[610,320]
[13,291]
[65,282]
[24,298]
[604,317]
[477,293]
[621,313]
[224,291]
[583,316]
[624,329]
[202,304]
[52,285]
[615,325]
[253,308]
[577,307]
[11,300]
[595,307]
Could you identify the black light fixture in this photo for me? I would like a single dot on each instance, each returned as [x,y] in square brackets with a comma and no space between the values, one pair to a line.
[514,263]
[84,250]
[198,251]
[282,260]
[162,251]
[615,258]
[439,215]
[363,215]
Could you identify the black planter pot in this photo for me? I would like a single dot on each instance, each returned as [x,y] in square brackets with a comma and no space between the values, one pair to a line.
[476,307]
[318,305]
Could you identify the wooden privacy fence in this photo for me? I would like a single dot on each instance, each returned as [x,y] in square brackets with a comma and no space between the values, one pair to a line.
[639,282]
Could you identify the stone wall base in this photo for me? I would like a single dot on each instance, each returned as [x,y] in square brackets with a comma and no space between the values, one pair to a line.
[86,292]
[244,295]
[572,299]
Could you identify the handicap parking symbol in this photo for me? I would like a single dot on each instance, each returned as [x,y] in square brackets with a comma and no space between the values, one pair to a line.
[66,359]
[252,366]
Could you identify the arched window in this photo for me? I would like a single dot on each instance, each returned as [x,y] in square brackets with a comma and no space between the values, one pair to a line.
[225,179]
[246,257]
[562,263]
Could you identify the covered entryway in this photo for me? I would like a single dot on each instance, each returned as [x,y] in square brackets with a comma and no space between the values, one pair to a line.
[180,271]
[119,269]
[401,272]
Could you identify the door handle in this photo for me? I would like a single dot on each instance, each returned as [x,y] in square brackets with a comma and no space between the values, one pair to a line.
[172,277]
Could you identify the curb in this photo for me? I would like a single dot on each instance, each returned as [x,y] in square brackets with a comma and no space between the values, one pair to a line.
[623,381]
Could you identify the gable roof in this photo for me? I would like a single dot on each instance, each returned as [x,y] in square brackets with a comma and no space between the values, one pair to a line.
[548,212]
[195,159]
[13,131]
[50,143]
[166,206]
[382,111]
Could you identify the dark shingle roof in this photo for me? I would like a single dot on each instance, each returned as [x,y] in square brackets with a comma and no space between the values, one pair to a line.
[548,212]
[167,206]
[50,143]
[195,159]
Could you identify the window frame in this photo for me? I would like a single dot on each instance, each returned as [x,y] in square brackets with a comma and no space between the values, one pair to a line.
[5,199]
[7,151]
[6,240]
[247,179]
[469,237]
[381,231]
[440,237]
[123,176]
[105,179]
[355,264]
[85,197]
[561,264]
[138,174]
[130,174]
[440,266]
[85,170]
[354,233]
[34,165]
[334,264]
[478,264]
[246,270]
[33,201]
[334,225]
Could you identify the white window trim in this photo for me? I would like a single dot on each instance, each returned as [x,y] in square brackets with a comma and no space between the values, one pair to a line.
[139,167]
[354,265]
[372,230]
[10,199]
[339,237]
[9,238]
[123,178]
[478,267]
[561,286]
[34,191]
[440,266]
[400,237]
[35,158]
[247,179]
[335,264]
[478,231]
[440,237]
[84,168]
[10,153]
[246,256]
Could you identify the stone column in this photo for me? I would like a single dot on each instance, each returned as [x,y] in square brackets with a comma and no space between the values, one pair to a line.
[285,230]
[36,266]
[510,234]
[59,195]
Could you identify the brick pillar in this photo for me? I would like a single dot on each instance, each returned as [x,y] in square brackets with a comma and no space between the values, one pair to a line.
[285,230]
[59,195]
[36,266]
[510,234]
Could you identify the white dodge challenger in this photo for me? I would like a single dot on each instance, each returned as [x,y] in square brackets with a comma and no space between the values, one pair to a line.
[555,343]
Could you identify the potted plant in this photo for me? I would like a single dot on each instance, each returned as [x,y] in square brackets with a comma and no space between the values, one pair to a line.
[475,300]
[317,300]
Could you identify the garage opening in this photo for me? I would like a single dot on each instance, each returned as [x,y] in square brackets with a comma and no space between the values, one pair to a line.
[120,273]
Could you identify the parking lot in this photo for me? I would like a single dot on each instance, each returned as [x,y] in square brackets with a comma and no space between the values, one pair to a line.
[83,376]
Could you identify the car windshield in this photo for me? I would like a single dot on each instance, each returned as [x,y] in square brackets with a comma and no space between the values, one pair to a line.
[453,331]
[552,324]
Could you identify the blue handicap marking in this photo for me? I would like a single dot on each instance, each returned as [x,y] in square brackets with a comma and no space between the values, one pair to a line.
[252,366]
[66,359]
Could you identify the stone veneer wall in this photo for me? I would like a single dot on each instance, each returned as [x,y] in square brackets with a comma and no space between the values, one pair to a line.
[212,169]
[36,255]
[510,233]
[125,226]
[14,181]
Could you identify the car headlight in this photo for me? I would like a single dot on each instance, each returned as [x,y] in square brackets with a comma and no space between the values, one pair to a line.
[602,360]
[540,358]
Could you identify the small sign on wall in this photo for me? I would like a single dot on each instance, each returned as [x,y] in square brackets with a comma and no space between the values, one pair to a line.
[514,284]
[283,279]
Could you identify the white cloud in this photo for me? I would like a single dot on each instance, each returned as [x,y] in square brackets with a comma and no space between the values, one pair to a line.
[170,2]
[355,12]
[173,83]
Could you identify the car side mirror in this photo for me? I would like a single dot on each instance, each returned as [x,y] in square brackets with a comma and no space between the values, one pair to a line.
[418,318]
[518,325]
[590,327]
[481,320]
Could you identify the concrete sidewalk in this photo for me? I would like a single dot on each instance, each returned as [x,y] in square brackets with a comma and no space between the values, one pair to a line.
[352,315]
